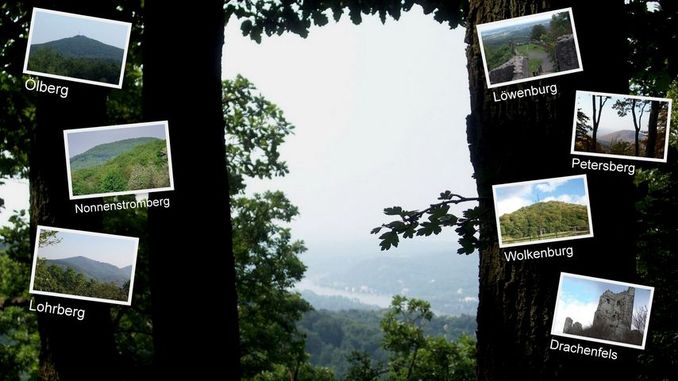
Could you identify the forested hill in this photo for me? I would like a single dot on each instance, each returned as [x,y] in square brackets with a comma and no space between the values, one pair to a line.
[332,336]
[81,47]
[104,152]
[550,216]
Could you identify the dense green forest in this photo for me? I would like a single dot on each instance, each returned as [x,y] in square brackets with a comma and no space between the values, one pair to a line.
[65,280]
[332,336]
[142,167]
[47,60]
[542,220]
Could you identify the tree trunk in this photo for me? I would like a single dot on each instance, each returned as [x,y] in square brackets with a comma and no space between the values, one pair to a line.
[527,139]
[636,127]
[70,349]
[650,146]
[596,122]
[194,302]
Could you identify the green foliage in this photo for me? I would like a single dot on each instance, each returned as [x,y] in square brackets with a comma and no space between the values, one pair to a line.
[583,131]
[351,341]
[537,32]
[409,224]
[19,340]
[559,25]
[48,238]
[255,129]
[274,17]
[414,355]
[142,167]
[497,55]
[53,278]
[267,266]
[549,219]
[49,60]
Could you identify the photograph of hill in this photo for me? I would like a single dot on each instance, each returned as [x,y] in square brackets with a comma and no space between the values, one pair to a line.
[117,160]
[542,211]
[602,310]
[621,126]
[84,265]
[530,47]
[77,48]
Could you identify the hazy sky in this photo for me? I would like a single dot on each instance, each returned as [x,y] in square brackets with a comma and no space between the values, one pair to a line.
[610,121]
[49,27]
[513,197]
[79,142]
[579,299]
[380,114]
[518,21]
[117,251]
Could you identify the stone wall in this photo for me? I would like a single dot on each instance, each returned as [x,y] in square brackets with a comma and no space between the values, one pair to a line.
[566,53]
[615,312]
[511,70]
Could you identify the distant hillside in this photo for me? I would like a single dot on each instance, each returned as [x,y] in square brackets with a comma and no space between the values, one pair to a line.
[448,280]
[551,219]
[81,47]
[104,152]
[335,302]
[628,136]
[79,57]
[331,336]
[91,269]
[142,167]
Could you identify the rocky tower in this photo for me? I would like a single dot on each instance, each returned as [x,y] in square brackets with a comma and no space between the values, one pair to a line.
[614,313]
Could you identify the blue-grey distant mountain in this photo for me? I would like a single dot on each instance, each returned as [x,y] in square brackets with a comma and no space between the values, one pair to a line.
[91,269]
[82,47]
[628,136]
[102,153]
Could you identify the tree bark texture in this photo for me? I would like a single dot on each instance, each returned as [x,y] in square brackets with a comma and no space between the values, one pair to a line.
[529,139]
[194,302]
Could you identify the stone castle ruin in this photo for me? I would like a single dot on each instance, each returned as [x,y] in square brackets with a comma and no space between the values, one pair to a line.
[517,66]
[566,53]
[612,319]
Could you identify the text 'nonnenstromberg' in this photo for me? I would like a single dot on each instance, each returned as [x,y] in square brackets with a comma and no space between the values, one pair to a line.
[120,205]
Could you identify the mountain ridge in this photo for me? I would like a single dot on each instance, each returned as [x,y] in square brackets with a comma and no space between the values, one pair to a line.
[102,153]
[93,269]
[80,46]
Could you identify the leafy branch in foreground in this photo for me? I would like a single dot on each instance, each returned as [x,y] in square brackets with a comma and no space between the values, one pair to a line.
[409,223]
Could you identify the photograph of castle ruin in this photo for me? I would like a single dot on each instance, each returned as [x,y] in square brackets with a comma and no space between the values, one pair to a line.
[602,310]
[621,126]
[531,47]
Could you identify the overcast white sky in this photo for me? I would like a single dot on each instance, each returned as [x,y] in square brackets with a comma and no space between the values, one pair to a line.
[380,114]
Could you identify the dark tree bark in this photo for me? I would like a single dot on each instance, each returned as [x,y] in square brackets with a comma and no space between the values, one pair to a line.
[70,349]
[651,145]
[597,111]
[528,139]
[194,302]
